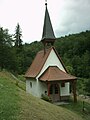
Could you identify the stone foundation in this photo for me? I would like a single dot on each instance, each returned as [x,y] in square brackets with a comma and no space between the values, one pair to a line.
[64,98]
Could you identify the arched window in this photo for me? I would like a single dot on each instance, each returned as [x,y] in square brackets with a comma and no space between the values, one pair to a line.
[31,84]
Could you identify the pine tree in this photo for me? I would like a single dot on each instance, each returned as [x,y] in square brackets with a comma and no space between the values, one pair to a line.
[17,36]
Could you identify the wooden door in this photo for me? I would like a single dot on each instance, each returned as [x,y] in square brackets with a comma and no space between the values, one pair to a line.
[54,92]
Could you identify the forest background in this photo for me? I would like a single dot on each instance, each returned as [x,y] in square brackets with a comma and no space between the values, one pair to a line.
[74,50]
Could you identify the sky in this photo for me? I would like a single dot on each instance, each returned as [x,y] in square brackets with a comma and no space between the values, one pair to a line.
[67,17]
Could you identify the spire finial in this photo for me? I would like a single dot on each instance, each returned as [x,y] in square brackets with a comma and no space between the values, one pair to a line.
[46,2]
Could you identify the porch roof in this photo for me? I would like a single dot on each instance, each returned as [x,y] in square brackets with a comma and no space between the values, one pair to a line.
[53,73]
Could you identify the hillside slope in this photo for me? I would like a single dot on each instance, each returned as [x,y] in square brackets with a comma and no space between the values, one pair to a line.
[15,104]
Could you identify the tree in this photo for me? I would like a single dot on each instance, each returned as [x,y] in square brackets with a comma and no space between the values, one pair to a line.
[17,36]
[87,87]
[5,37]
[86,64]
[5,48]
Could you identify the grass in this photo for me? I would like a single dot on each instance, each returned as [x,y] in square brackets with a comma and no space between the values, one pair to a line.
[78,108]
[9,106]
[22,78]
[37,109]
[16,104]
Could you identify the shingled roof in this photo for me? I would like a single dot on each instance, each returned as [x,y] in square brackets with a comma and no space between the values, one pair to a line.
[53,73]
[39,62]
[48,32]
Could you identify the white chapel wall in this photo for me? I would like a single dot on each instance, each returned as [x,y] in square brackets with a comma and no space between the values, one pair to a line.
[33,89]
[37,89]
[52,60]
[42,87]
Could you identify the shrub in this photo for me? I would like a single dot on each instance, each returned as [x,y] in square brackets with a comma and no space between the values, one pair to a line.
[46,98]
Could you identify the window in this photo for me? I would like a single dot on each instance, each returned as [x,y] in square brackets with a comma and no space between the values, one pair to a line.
[63,84]
[31,84]
[45,92]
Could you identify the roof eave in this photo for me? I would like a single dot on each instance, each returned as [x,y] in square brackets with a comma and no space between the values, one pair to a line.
[29,77]
[66,80]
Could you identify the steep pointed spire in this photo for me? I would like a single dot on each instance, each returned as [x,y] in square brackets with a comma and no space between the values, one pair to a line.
[48,33]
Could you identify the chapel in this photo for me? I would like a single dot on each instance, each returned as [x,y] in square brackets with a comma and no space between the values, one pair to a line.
[47,73]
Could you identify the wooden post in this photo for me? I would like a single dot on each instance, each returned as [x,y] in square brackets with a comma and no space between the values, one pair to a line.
[48,88]
[74,91]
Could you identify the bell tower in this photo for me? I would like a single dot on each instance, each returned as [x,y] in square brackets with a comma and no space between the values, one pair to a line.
[48,37]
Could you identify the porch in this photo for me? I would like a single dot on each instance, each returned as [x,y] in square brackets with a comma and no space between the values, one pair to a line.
[58,81]
[54,90]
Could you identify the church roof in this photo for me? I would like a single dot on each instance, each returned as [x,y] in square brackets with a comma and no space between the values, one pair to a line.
[53,73]
[39,62]
[48,32]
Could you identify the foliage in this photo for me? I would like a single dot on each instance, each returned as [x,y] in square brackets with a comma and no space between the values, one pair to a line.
[6,54]
[87,87]
[46,98]
[17,36]
[75,52]
[5,37]
[22,78]
[82,86]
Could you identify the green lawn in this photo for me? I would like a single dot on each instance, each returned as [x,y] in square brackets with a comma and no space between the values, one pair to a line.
[78,108]
[16,104]
[9,98]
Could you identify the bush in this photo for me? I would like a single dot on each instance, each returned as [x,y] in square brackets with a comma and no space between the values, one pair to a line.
[46,98]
